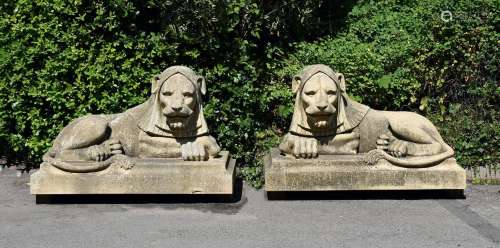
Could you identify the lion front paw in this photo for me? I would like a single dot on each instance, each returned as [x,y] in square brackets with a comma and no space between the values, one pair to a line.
[194,151]
[305,147]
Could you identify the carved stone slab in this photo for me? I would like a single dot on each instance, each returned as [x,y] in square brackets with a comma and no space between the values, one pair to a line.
[141,176]
[350,172]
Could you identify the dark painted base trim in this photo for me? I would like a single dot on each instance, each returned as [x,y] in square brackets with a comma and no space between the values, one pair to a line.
[366,195]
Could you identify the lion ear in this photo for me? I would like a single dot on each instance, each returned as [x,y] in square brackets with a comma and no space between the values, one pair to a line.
[202,85]
[154,84]
[341,80]
[295,84]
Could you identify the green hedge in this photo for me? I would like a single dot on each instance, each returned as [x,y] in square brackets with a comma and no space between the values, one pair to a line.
[63,59]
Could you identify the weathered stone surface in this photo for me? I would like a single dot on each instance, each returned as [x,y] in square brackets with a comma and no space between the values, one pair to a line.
[336,143]
[140,176]
[350,172]
[161,146]
[170,124]
[326,122]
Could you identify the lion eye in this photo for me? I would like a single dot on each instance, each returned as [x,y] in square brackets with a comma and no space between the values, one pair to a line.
[187,94]
[331,92]
[310,93]
[167,93]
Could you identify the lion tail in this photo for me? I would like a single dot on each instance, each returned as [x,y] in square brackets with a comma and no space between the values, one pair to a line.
[417,162]
[91,167]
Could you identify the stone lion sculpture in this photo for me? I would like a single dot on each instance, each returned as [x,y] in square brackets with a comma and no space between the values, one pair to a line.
[327,121]
[170,124]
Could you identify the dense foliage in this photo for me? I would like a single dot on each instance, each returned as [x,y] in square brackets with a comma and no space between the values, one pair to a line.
[61,59]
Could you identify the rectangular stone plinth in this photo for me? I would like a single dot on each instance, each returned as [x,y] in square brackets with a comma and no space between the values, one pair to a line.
[349,172]
[147,176]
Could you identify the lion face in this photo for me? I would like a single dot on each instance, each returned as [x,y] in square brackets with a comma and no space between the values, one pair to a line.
[319,97]
[178,100]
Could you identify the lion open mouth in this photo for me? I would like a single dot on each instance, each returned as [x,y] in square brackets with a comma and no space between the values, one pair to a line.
[321,119]
[177,120]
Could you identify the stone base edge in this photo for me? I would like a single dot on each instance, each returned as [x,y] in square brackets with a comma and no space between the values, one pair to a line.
[183,179]
[345,173]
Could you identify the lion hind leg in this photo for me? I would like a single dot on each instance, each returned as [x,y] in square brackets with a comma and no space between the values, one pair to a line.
[83,132]
[413,127]
[422,136]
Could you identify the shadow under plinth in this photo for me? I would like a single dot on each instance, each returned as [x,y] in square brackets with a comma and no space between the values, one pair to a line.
[366,195]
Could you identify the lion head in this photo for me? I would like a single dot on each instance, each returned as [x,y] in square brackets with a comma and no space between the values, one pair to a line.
[321,103]
[176,108]
[177,98]
[319,99]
